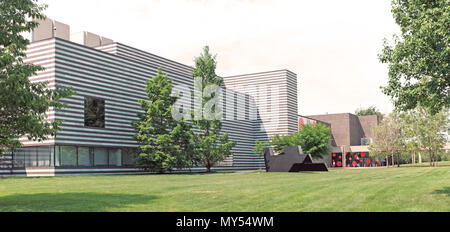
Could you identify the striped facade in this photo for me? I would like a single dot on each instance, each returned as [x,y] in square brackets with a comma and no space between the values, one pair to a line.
[275,97]
[42,54]
[116,73]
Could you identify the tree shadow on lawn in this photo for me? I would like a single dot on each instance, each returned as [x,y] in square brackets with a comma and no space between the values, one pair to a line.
[75,202]
[445,190]
[425,165]
[204,173]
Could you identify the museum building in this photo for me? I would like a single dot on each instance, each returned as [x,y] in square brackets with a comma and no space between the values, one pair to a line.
[109,78]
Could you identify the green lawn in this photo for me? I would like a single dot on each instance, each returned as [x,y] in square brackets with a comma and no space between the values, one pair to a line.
[372,189]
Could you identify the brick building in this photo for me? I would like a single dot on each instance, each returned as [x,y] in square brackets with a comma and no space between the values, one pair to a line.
[351,135]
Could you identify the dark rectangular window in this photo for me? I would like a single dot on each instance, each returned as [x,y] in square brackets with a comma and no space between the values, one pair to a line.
[94,112]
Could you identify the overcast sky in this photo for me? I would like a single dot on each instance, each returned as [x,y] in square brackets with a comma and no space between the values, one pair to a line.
[332,46]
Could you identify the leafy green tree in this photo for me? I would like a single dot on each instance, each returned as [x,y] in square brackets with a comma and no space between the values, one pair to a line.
[314,140]
[388,138]
[259,147]
[213,146]
[424,131]
[184,146]
[23,105]
[371,110]
[409,127]
[165,142]
[418,59]
[279,142]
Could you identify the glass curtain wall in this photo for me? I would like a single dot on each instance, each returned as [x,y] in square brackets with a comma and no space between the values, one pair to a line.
[85,157]
[74,156]
[115,157]
[100,157]
[68,155]
[33,157]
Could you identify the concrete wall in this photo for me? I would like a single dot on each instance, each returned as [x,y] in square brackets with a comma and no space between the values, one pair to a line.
[49,28]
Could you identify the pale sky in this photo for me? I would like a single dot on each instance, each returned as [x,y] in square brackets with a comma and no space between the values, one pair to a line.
[332,46]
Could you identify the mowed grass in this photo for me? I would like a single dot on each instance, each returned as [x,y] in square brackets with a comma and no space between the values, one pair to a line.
[372,189]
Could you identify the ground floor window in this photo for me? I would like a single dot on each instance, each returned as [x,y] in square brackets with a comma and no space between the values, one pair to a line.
[85,158]
[115,157]
[362,159]
[100,157]
[356,159]
[336,160]
[74,156]
[68,156]
[33,157]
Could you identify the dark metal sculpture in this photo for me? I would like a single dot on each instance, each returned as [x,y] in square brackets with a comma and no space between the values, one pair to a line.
[291,160]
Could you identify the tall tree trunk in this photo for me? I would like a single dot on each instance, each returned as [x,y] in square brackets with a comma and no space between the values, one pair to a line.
[431,158]
[387,161]
[393,161]
[208,166]
[420,157]
[398,160]
[413,157]
[435,159]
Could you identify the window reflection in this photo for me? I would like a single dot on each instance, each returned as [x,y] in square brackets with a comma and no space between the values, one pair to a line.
[94,112]
[74,156]
[100,156]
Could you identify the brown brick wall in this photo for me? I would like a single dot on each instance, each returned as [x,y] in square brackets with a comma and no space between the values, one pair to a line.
[348,129]
[356,131]
[367,122]
[339,126]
